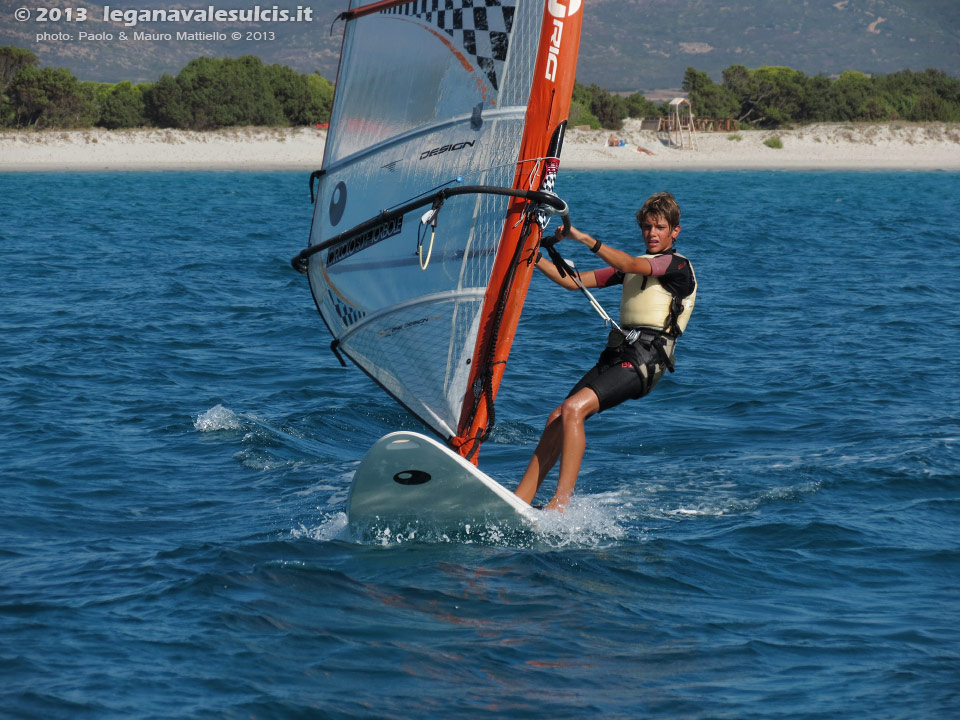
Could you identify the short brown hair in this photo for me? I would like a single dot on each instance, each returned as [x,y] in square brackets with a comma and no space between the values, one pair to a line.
[661,204]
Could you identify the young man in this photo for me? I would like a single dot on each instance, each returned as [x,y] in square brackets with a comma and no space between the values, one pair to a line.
[659,291]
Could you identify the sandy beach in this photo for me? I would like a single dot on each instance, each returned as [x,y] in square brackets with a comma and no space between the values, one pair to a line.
[901,146]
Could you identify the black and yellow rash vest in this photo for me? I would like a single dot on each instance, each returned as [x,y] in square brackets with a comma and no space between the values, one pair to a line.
[654,311]
[663,301]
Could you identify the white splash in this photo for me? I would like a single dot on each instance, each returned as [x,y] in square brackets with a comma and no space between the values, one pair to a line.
[333,526]
[588,521]
[218,418]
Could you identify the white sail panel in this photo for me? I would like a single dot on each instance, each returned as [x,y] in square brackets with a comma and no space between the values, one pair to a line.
[424,97]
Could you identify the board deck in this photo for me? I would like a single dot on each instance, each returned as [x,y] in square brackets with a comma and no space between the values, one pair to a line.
[408,478]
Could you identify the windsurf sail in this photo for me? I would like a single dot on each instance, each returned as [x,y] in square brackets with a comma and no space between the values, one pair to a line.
[442,149]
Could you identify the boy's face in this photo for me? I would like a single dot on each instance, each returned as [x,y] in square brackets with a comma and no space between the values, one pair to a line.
[657,233]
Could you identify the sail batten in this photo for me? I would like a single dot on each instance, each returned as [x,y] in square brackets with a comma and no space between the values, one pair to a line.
[470,294]
[419,277]
[512,113]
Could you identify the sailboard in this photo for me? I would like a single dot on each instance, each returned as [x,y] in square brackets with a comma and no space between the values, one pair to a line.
[408,479]
[436,183]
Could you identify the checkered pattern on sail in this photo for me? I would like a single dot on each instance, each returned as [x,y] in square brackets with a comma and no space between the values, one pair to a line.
[481,28]
[547,185]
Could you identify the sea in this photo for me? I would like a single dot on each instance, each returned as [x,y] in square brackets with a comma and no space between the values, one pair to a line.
[773,533]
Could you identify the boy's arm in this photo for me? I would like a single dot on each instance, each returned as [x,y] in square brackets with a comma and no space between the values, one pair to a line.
[546,266]
[618,259]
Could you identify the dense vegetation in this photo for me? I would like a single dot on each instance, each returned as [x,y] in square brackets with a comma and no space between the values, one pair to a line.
[207,93]
[211,93]
[597,108]
[775,96]
[771,97]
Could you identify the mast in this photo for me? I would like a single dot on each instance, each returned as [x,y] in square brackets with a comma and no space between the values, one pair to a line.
[547,112]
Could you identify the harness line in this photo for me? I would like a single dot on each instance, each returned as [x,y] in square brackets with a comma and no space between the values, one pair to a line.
[564,268]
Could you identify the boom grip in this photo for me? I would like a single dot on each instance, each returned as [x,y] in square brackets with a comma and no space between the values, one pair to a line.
[549,242]
[300,261]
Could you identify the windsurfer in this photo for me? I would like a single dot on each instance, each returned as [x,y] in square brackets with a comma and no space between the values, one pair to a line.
[659,290]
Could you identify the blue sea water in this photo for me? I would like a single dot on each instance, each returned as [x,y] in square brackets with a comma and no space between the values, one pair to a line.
[773,533]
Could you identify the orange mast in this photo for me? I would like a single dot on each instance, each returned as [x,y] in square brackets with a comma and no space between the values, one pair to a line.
[547,111]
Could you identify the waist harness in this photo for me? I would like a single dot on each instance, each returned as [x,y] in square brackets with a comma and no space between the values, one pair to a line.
[650,353]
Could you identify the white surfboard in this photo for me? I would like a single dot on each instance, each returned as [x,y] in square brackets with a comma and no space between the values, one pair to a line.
[407,478]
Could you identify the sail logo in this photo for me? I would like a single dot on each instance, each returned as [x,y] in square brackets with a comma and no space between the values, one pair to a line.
[559,12]
[338,202]
[446,148]
[358,243]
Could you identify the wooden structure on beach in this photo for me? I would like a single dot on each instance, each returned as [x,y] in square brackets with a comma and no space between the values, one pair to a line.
[706,124]
[682,132]
[663,123]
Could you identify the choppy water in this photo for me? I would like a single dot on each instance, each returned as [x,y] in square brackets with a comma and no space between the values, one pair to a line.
[772,534]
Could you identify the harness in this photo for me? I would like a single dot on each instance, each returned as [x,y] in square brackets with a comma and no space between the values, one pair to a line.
[647,349]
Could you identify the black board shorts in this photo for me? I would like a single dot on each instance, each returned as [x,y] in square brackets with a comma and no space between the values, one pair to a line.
[615,379]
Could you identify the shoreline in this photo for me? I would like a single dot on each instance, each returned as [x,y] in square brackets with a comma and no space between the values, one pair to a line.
[821,146]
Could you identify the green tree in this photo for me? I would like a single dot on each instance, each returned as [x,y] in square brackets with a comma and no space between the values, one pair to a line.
[639,107]
[320,99]
[12,59]
[898,90]
[123,107]
[815,100]
[211,93]
[580,112]
[304,99]
[780,94]
[580,115]
[707,98]
[290,90]
[930,95]
[771,96]
[51,97]
[221,92]
[768,96]
[226,92]
[931,107]
[738,80]
[164,104]
[850,93]
[609,109]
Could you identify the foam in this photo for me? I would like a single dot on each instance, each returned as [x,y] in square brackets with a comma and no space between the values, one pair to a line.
[218,418]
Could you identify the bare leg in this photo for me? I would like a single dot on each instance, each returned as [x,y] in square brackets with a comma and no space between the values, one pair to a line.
[563,437]
[544,458]
[573,414]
